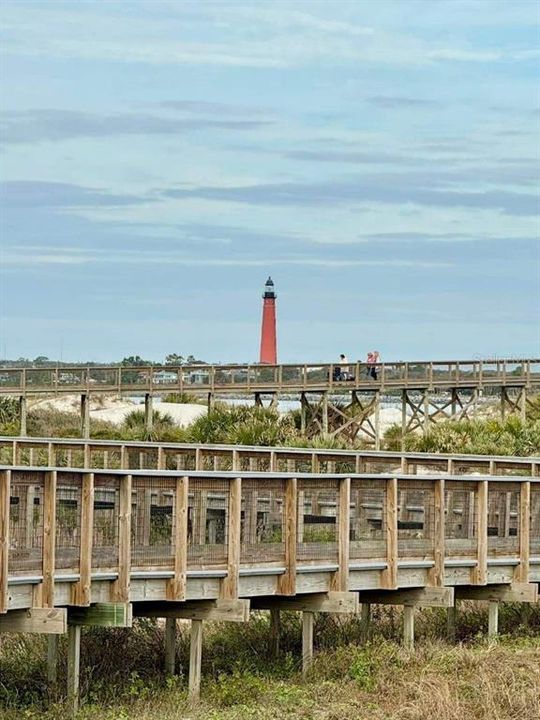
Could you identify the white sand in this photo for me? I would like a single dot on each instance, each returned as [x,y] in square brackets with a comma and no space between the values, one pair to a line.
[114,410]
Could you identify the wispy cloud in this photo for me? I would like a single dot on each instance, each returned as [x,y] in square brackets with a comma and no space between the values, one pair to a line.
[31,126]
[364,189]
[396,101]
[35,194]
[38,255]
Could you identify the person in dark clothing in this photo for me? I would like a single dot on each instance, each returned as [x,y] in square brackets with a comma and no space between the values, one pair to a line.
[372,358]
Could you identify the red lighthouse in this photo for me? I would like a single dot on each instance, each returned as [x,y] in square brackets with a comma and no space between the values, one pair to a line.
[268,330]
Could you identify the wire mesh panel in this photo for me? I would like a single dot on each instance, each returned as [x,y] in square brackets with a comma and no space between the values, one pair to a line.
[368,509]
[106,522]
[503,519]
[26,523]
[461,522]
[207,522]
[381,465]
[336,464]
[317,520]
[68,521]
[416,512]
[535,519]
[263,523]
[215,460]
[110,458]
[180,459]
[6,453]
[148,458]
[152,522]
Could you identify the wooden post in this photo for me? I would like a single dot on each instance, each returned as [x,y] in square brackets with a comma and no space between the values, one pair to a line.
[390,524]
[121,587]
[324,407]
[73,667]
[81,592]
[403,417]
[303,414]
[377,420]
[426,400]
[408,626]
[170,645]
[436,574]
[161,459]
[365,622]
[5,482]
[341,577]
[49,537]
[275,631]
[52,659]
[195,659]
[493,620]
[22,416]
[480,576]
[230,583]
[307,641]
[148,412]
[451,617]
[176,588]
[85,415]
[524,531]
[287,581]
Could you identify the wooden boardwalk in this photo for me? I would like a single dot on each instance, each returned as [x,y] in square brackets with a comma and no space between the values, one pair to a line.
[334,399]
[133,455]
[95,546]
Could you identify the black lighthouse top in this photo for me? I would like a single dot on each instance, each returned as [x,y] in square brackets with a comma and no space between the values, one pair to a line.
[269,289]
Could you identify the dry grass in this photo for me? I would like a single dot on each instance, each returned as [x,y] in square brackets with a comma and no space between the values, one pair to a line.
[378,682]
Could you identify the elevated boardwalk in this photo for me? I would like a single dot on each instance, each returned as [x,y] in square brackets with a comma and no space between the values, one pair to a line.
[334,399]
[270,379]
[84,545]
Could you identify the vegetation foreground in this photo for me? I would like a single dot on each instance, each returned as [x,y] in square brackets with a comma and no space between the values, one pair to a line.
[350,680]
[248,425]
[122,676]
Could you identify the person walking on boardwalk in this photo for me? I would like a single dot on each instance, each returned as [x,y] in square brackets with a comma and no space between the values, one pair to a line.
[344,370]
[372,360]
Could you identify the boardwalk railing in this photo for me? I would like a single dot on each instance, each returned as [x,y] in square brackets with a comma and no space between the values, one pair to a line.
[271,378]
[117,454]
[70,536]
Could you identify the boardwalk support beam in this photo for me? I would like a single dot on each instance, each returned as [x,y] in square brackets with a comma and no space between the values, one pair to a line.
[330,602]
[514,592]
[35,620]
[307,641]
[419,597]
[222,610]
[195,660]
[170,645]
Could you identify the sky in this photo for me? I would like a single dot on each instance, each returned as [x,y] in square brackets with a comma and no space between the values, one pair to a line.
[379,159]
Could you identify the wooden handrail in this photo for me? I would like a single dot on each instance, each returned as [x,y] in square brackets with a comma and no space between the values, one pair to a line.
[221,378]
[157,453]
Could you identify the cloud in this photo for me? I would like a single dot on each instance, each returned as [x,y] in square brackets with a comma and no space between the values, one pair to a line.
[37,255]
[54,125]
[389,101]
[388,189]
[355,157]
[212,108]
[239,35]
[36,194]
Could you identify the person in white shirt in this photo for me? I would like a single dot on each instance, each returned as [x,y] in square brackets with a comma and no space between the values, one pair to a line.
[345,372]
